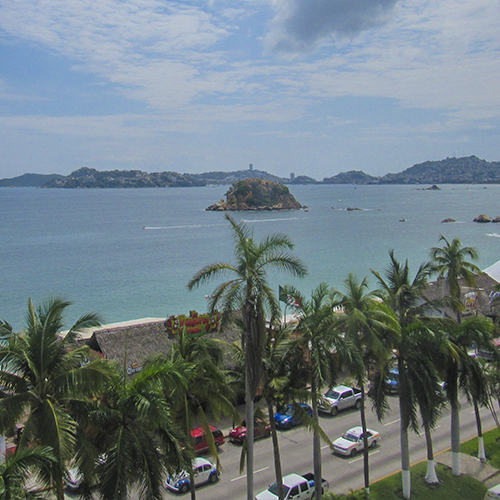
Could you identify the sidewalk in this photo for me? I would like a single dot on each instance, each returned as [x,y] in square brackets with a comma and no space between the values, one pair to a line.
[472,466]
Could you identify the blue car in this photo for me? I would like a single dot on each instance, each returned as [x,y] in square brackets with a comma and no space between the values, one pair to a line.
[289,417]
[392,381]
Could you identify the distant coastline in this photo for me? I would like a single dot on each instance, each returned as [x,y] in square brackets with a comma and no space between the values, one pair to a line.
[465,170]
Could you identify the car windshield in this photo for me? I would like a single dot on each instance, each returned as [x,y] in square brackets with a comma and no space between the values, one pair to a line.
[274,489]
[332,394]
[350,437]
[288,411]
[394,376]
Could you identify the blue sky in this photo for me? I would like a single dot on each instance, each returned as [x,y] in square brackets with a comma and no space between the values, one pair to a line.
[313,87]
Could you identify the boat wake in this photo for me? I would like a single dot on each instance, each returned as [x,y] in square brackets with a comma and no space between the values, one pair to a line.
[187,226]
[255,221]
[493,235]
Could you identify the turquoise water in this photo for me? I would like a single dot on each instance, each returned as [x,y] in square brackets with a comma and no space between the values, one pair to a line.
[128,254]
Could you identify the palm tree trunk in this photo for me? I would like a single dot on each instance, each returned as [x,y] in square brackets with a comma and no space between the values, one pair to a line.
[481,451]
[405,463]
[405,452]
[316,442]
[366,463]
[430,476]
[455,437]
[249,415]
[276,449]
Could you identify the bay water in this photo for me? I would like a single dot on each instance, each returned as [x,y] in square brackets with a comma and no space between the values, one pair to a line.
[129,253]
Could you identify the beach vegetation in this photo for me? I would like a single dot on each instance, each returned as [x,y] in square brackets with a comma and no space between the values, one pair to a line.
[412,345]
[43,372]
[129,434]
[368,325]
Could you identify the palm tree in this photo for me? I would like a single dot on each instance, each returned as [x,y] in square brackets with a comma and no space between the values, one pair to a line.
[368,325]
[277,384]
[31,463]
[249,294]
[130,437]
[205,386]
[451,264]
[316,340]
[45,372]
[463,372]
[405,296]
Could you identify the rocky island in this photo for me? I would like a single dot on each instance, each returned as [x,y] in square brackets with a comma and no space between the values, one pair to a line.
[257,194]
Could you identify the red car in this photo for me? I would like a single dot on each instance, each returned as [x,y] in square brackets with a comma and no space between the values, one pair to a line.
[200,440]
[238,434]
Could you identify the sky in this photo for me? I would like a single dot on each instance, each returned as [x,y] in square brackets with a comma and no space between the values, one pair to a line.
[310,87]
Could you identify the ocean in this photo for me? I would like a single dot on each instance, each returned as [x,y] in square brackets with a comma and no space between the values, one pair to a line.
[129,253]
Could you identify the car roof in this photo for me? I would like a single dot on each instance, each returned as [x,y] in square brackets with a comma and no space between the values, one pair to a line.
[292,479]
[340,388]
[198,461]
[358,430]
[199,431]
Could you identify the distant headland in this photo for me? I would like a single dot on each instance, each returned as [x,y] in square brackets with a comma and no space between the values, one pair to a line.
[466,170]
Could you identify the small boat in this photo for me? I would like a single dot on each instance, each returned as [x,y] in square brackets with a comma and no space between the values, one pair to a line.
[402,220]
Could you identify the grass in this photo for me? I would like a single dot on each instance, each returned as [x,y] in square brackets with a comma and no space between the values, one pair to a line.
[491,447]
[449,487]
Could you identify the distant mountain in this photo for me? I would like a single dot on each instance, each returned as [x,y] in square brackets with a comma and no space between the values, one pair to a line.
[92,178]
[29,180]
[351,177]
[467,170]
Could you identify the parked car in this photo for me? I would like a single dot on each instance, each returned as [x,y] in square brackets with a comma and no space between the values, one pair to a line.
[201,442]
[493,493]
[339,398]
[261,429]
[392,381]
[289,417]
[352,441]
[204,471]
[295,488]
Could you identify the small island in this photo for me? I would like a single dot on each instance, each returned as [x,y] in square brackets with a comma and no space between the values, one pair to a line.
[257,194]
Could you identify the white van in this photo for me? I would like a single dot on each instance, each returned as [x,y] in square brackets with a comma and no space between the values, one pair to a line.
[493,493]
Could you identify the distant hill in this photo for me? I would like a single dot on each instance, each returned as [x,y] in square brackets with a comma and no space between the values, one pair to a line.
[29,180]
[92,178]
[467,170]
[351,177]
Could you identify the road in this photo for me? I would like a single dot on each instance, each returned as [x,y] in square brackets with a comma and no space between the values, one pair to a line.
[343,473]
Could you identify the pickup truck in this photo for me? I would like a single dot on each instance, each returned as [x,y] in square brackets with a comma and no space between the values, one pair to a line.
[295,487]
[339,398]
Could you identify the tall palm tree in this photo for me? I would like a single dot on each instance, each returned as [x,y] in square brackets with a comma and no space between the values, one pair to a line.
[405,296]
[368,325]
[463,372]
[277,384]
[45,372]
[316,341]
[205,386]
[249,294]
[451,264]
[31,463]
[130,437]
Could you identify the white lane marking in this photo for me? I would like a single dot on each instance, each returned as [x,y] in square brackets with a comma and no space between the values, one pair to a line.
[361,457]
[393,422]
[255,472]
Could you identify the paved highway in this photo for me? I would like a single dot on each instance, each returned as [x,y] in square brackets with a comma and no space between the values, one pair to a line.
[343,473]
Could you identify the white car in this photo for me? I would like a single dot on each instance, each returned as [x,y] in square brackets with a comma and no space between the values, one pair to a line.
[204,471]
[352,441]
